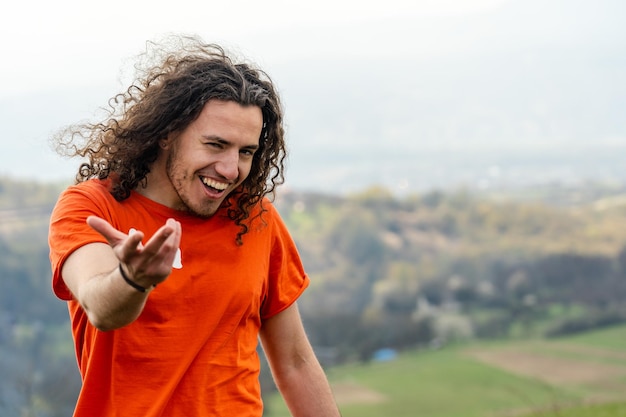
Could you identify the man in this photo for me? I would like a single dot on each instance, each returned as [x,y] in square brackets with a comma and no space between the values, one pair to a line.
[171,257]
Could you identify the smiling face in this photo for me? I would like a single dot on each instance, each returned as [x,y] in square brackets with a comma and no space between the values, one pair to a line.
[201,165]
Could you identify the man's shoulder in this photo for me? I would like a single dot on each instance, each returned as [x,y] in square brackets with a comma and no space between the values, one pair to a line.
[264,208]
[93,190]
[92,185]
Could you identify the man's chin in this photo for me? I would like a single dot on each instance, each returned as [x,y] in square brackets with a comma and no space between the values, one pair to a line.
[206,212]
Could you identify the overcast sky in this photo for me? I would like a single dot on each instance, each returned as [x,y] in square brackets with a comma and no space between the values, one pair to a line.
[46,44]
[419,60]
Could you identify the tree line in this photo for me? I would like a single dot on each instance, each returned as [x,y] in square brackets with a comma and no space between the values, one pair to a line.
[395,272]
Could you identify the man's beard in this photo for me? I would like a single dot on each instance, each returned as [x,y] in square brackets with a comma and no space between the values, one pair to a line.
[186,204]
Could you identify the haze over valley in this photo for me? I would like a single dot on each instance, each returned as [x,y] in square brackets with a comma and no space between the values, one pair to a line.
[514,94]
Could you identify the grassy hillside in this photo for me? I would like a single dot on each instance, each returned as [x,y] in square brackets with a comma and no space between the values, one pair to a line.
[389,272]
[582,376]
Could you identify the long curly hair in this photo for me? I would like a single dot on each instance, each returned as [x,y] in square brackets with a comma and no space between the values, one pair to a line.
[173,82]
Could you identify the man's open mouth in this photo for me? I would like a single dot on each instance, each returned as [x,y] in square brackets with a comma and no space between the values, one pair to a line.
[213,185]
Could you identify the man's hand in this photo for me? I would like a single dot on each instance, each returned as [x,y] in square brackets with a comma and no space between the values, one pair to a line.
[147,265]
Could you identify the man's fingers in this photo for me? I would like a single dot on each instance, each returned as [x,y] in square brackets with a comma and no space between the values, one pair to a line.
[153,260]
[114,236]
[105,229]
[165,241]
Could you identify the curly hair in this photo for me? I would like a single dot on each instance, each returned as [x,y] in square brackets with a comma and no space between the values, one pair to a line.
[171,87]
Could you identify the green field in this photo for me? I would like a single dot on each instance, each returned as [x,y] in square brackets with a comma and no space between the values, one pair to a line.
[581,376]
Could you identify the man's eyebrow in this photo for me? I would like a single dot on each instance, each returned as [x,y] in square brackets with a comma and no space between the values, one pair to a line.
[223,141]
[215,138]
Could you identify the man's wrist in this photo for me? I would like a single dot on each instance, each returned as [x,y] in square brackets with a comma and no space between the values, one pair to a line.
[131,282]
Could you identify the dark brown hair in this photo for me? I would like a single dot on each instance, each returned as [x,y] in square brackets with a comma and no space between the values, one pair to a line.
[173,83]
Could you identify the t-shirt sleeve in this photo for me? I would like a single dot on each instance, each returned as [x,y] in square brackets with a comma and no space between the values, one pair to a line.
[287,279]
[69,231]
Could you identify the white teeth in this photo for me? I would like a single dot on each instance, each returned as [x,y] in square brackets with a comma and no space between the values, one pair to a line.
[214,184]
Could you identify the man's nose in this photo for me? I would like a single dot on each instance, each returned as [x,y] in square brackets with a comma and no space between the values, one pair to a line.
[228,164]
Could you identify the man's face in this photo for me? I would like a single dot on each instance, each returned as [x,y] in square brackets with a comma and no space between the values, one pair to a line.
[212,156]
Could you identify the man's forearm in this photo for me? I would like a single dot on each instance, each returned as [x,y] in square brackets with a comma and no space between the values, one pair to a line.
[307,392]
[110,302]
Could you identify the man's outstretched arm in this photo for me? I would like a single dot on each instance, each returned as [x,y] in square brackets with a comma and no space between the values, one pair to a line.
[93,273]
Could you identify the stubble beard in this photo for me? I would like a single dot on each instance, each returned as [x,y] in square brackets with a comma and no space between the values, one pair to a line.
[178,178]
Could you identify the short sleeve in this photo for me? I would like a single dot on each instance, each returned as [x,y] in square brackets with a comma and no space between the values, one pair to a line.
[287,279]
[69,231]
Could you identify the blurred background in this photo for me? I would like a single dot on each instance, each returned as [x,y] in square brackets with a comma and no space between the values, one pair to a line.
[456,187]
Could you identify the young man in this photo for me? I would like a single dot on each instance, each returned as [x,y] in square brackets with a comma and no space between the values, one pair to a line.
[171,257]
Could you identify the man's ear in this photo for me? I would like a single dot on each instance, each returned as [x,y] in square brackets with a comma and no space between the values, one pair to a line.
[166,142]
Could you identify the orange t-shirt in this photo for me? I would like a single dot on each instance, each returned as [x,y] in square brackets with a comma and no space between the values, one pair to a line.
[192,351]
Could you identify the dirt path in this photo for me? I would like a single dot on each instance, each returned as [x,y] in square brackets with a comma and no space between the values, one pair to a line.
[577,367]
[586,350]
